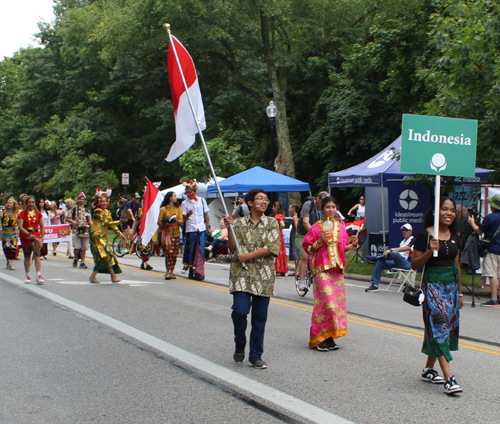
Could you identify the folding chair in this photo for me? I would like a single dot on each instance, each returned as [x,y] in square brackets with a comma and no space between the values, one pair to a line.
[401,277]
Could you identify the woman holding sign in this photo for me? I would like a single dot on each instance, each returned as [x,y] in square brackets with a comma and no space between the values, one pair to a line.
[442,287]
[326,248]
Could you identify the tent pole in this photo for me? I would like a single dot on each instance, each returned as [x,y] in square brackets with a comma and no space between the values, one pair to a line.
[383,209]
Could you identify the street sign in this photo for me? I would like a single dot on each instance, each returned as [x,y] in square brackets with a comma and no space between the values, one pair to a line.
[125,179]
[439,146]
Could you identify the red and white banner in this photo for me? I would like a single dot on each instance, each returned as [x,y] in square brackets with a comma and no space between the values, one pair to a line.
[57,233]
[185,124]
[153,199]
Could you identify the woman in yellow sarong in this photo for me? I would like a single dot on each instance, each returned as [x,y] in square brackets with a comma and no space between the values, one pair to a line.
[104,259]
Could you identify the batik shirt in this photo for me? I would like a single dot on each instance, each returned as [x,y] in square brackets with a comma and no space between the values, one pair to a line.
[258,278]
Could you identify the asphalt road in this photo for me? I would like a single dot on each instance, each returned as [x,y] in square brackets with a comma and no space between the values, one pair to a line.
[154,351]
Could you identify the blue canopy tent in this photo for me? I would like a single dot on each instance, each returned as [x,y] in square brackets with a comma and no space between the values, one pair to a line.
[258,177]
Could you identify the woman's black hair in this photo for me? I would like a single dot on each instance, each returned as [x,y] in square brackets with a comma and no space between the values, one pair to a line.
[429,216]
[250,197]
[166,199]
[328,199]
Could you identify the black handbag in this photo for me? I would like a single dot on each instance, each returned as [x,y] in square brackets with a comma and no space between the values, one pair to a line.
[485,244]
[413,296]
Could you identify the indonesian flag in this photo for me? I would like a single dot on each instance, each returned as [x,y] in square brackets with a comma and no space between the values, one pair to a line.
[185,124]
[150,213]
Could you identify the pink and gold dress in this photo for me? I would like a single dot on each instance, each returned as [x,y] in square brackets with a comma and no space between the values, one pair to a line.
[329,317]
[281,264]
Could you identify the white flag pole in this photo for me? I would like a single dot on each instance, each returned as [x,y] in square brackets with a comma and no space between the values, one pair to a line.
[437,195]
[172,45]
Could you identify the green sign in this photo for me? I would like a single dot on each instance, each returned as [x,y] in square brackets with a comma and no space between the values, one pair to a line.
[439,146]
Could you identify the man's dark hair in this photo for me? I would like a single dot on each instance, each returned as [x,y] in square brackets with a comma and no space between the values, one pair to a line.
[250,197]
[429,216]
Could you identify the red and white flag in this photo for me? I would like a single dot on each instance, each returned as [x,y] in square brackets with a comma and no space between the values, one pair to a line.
[150,213]
[185,124]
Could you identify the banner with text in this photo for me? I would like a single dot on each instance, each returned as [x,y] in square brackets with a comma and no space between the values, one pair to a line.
[439,146]
[57,233]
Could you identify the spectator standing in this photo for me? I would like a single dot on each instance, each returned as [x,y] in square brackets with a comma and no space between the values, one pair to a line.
[80,220]
[442,287]
[241,208]
[491,263]
[195,212]
[308,217]
[252,284]
[281,263]
[70,204]
[395,257]
[327,262]
[360,208]
[55,219]
[31,231]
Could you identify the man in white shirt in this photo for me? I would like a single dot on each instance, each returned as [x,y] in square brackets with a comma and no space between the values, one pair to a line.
[396,257]
[197,222]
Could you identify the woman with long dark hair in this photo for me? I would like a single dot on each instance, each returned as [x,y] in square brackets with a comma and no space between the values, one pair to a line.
[170,221]
[10,231]
[31,231]
[281,263]
[442,287]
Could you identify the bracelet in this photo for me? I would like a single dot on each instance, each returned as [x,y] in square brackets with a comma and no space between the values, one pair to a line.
[208,226]
[317,245]
[460,295]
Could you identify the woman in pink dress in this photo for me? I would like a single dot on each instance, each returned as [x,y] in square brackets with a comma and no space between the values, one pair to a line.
[327,261]
[55,219]
[281,263]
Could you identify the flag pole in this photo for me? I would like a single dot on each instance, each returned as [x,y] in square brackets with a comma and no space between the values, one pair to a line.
[219,192]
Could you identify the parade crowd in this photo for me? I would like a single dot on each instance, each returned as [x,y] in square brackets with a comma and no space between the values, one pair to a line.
[255,243]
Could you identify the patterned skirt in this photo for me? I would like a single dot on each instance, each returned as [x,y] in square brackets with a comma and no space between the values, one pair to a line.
[441,311]
[329,317]
[281,264]
[9,241]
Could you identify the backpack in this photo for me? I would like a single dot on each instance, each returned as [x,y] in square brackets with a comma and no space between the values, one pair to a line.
[301,230]
[243,210]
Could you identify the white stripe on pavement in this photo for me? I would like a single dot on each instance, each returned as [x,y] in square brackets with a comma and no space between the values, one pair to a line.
[277,397]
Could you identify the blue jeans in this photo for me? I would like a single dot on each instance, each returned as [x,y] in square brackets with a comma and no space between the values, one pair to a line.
[216,244]
[393,260]
[242,302]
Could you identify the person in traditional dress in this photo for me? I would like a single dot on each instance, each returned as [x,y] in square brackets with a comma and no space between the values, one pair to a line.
[442,288]
[55,219]
[170,222]
[327,262]
[195,212]
[31,230]
[10,231]
[281,263]
[104,259]
[294,253]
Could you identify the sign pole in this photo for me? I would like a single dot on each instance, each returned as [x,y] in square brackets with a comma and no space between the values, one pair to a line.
[437,195]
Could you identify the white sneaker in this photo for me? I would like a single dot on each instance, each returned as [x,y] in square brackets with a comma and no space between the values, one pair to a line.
[28,280]
[40,280]
[302,285]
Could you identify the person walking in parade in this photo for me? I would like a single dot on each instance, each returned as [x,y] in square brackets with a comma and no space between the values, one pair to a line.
[104,258]
[10,231]
[252,274]
[327,248]
[197,221]
[170,222]
[442,287]
[31,231]
[81,221]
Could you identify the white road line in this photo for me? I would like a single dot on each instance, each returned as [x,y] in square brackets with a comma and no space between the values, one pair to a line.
[277,397]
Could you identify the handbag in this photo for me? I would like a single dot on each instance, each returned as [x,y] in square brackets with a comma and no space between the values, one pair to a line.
[485,244]
[413,296]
